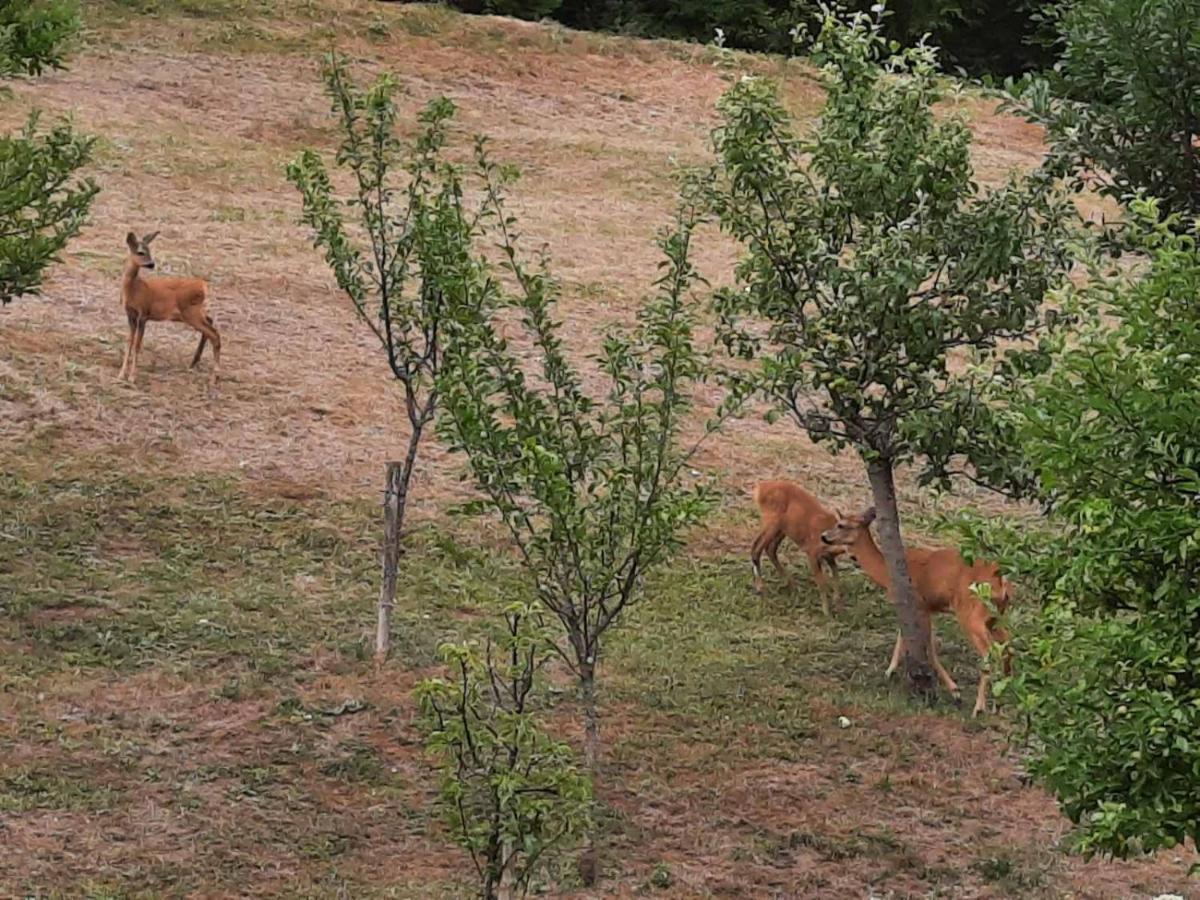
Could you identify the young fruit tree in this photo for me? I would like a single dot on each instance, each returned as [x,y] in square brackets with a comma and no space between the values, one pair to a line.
[511,795]
[874,266]
[41,207]
[593,486]
[1122,105]
[1109,443]
[415,231]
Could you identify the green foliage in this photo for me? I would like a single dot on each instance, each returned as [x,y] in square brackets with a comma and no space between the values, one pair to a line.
[41,208]
[509,792]
[1108,683]
[410,231]
[33,34]
[873,257]
[1123,104]
[404,276]
[591,489]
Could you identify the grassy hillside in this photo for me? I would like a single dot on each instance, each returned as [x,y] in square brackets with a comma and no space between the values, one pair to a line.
[186,702]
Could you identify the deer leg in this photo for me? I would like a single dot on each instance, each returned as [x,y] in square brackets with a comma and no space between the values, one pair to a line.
[137,344]
[896,653]
[199,350]
[834,582]
[942,674]
[818,574]
[976,629]
[756,550]
[773,552]
[204,324]
[129,341]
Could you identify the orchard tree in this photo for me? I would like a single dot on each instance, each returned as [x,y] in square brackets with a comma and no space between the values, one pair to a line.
[874,265]
[41,206]
[417,233]
[1109,443]
[593,488]
[1122,105]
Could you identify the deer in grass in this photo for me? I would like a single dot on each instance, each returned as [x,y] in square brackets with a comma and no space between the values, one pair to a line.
[163,299]
[944,584]
[788,510]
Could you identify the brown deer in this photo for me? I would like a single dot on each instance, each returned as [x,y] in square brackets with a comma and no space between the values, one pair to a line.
[944,583]
[788,510]
[163,299]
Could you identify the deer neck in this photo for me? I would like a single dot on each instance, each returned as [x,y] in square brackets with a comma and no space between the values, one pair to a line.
[870,559]
[130,278]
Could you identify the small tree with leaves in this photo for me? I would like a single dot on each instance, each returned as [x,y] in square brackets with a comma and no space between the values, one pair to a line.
[42,207]
[873,262]
[415,238]
[510,794]
[591,488]
[1122,104]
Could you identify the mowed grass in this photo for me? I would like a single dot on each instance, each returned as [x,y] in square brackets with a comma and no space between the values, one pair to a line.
[187,704]
[187,668]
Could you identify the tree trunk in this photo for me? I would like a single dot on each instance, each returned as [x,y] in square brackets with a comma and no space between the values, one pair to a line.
[393,518]
[508,882]
[913,625]
[589,859]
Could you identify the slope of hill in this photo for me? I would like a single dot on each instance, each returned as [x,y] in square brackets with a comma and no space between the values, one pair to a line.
[187,585]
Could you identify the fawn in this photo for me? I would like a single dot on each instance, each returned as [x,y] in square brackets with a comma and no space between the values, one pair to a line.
[943,581]
[163,299]
[788,510]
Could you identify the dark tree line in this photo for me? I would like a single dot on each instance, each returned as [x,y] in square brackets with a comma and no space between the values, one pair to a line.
[999,37]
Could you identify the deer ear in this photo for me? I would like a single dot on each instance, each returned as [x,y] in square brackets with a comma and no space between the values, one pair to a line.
[148,238]
[869,516]
[131,240]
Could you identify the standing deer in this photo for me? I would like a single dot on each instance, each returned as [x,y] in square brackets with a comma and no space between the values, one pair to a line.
[788,510]
[163,299]
[943,581]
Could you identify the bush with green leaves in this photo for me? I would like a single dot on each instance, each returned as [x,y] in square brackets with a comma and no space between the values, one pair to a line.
[1108,681]
[511,795]
[1122,106]
[873,261]
[42,207]
[417,237]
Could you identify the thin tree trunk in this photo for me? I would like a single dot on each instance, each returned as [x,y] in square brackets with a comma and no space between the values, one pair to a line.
[913,625]
[395,502]
[392,515]
[508,882]
[589,859]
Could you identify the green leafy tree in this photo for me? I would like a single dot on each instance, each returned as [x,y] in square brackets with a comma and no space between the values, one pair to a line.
[416,234]
[1109,679]
[873,263]
[34,34]
[510,794]
[41,205]
[591,488]
[1122,107]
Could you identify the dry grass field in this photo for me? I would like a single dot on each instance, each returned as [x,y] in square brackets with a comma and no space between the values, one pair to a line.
[187,707]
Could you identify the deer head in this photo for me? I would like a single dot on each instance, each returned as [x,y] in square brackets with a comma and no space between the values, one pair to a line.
[139,251]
